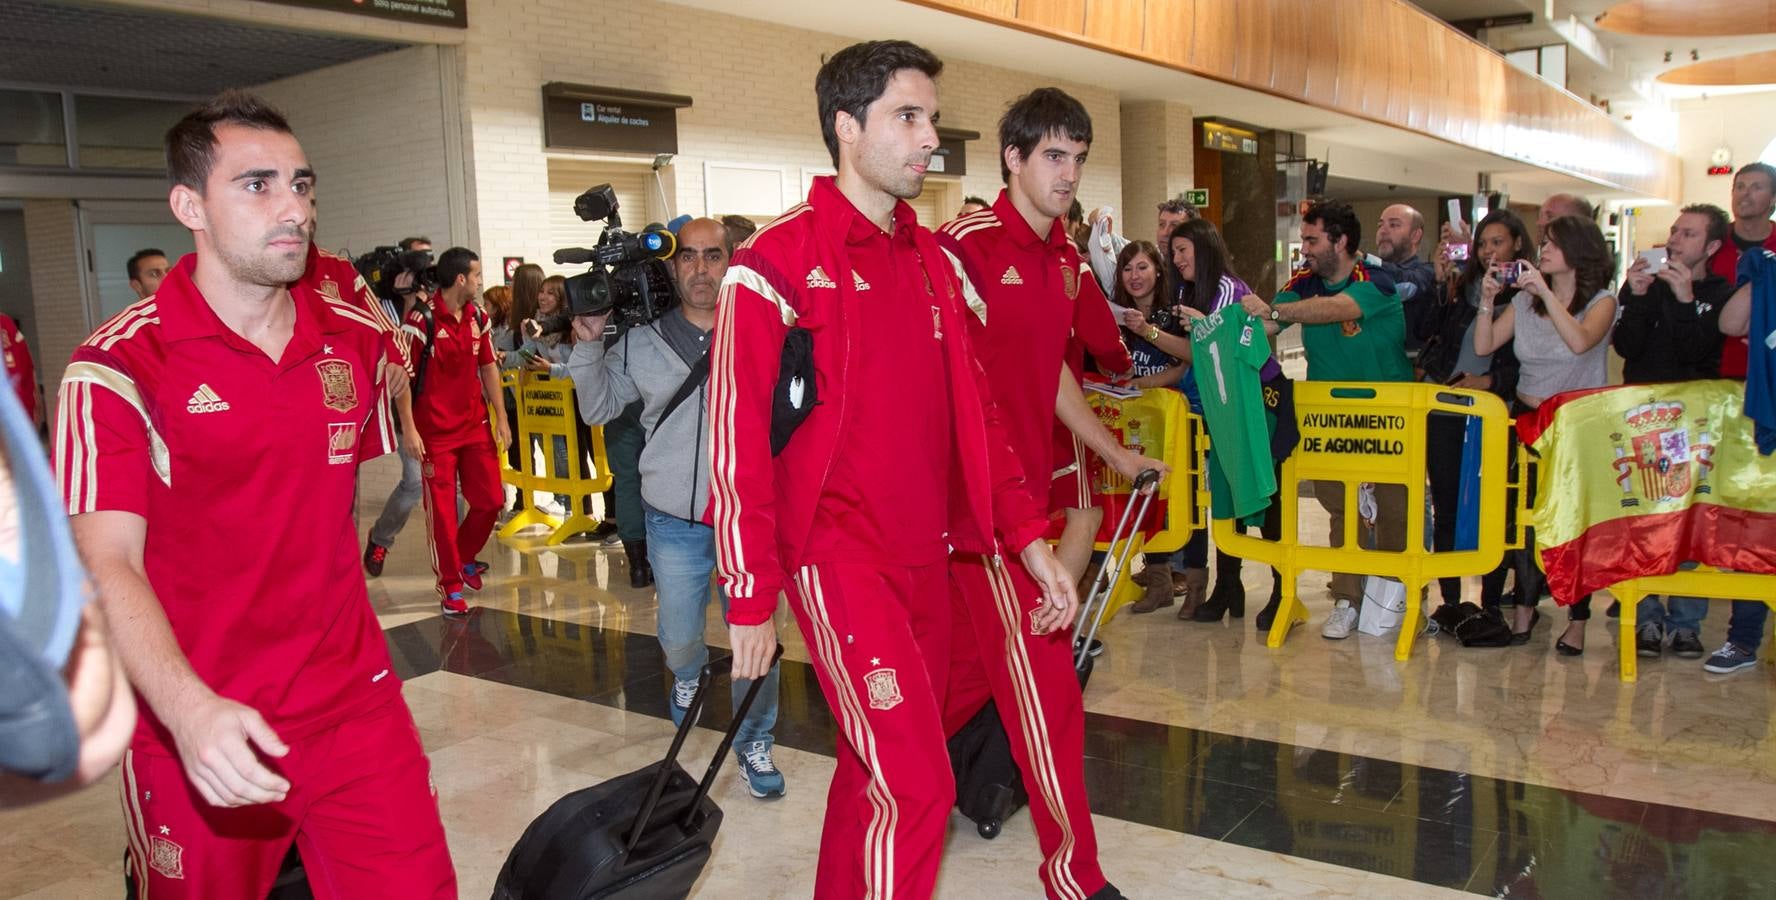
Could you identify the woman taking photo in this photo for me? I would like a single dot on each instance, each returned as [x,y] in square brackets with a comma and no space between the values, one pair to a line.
[1448,357]
[1560,319]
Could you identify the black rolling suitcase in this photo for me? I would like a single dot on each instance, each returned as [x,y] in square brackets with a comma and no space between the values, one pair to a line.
[989,787]
[646,834]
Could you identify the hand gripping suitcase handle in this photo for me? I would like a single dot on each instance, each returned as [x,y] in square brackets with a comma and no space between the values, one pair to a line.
[704,679]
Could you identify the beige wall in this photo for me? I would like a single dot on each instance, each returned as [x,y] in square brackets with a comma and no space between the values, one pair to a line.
[51,232]
[752,83]
[1158,160]
[373,130]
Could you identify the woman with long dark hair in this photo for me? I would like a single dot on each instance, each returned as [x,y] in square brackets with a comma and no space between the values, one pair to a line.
[1448,357]
[1560,319]
[1203,283]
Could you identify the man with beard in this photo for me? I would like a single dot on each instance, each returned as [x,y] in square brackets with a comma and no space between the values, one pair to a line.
[854,443]
[237,394]
[1030,294]
[1352,329]
[1397,238]
[663,364]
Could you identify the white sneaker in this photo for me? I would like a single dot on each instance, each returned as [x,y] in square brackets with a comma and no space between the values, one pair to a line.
[551,507]
[1339,624]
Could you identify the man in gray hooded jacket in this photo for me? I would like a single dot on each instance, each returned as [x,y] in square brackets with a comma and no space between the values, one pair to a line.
[651,363]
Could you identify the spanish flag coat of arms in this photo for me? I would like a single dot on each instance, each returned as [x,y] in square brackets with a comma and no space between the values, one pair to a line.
[1636,480]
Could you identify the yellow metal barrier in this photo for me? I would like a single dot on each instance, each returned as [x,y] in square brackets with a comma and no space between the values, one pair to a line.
[1159,424]
[1355,433]
[1703,581]
[546,411]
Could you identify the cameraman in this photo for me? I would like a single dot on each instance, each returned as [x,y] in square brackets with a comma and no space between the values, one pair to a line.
[654,363]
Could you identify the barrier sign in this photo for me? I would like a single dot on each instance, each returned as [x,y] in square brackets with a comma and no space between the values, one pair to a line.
[548,415]
[1353,434]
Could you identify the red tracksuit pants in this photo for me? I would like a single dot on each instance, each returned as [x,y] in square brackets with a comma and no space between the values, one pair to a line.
[361,809]
[455,545]
[1032,683]
[879,639]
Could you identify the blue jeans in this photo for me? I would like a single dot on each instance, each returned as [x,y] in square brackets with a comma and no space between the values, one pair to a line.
[1746,627]
[1686,613]
[683,556]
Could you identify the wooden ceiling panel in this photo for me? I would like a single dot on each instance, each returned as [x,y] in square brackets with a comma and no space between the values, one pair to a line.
[1752,68]
[1117,23]
[1690,18]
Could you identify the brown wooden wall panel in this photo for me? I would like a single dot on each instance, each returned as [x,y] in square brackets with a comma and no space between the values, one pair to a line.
[1060,15]
[989,9]
[1212,50]
[1170,32]
[1384,61]
[1252,34]
[1118,23]
[1289,71]
[1322,63]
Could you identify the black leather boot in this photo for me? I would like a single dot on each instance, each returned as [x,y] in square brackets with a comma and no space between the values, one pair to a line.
[641,574]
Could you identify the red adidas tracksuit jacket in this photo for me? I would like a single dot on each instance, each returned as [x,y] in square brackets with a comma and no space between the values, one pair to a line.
[879,630]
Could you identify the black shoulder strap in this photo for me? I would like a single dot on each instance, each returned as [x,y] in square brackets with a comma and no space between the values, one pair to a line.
[425,351]
[693,380]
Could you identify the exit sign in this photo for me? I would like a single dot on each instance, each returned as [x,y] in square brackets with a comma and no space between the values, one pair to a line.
[1198,198]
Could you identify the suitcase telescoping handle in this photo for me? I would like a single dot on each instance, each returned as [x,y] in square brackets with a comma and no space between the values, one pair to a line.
[704,679]
[1093,604]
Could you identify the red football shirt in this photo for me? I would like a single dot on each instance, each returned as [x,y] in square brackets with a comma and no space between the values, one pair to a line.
[886,501]
[1029,292]
[245,469]
[449,409]
[21,371]
[1725,263]
[336,278]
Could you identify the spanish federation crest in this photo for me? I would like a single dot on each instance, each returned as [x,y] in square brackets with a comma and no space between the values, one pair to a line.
[329,289]
[166,857]
[1664,452]
[338,390]
[1070,281]
[884,689]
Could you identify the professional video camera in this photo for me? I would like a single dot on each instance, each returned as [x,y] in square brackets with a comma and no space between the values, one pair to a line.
[382,265]
[628,278]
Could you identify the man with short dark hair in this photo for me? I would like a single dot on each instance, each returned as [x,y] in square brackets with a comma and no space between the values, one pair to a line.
[738,229]
[1670,331]
[1353,329]
[854,444]
[457,379]
[1031,294]
[415,243]
[237,393]
[1398,235]
[1754,200]
[971,204]
[146,269]
[1172,213]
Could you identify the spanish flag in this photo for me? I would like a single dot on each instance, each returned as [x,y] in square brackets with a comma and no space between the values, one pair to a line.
[1638,479]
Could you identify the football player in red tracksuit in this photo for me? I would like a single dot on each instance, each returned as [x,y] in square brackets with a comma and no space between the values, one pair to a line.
[237,394]
[460,379]
[1028,287]
[899,458]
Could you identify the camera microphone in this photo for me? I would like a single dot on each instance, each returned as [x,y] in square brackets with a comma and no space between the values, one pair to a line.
[571,256]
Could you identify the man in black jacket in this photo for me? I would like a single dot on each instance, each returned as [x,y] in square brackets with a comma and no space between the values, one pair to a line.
[1670,325]
[1670,331]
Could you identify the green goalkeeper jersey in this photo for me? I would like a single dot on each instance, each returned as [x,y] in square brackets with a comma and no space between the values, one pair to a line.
[1228,349]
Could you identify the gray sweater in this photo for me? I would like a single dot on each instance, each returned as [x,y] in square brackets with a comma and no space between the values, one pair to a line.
[641,365]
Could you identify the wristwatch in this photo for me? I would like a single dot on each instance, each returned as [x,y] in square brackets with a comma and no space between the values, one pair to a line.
[1275,312]
[1152,332]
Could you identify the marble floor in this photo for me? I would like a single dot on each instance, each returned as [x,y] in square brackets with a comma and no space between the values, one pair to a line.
[1218,768]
